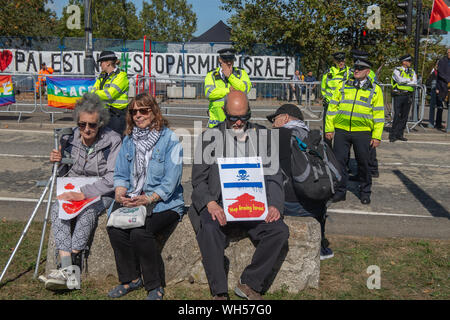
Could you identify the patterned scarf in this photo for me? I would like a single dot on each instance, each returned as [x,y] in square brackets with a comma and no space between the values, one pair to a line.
[144,141]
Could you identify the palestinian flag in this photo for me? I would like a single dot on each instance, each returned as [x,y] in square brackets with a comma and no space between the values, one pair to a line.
[440,15]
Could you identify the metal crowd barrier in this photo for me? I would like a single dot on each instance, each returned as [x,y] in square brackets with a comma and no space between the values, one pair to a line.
[22,85]
[184,97]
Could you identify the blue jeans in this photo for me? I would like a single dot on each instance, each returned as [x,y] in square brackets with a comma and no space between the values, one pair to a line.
[317,210]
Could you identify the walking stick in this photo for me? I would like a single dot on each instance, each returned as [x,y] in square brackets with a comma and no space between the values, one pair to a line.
[49,185]
[49,203]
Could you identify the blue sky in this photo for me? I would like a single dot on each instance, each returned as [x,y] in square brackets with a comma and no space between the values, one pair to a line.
[208,12]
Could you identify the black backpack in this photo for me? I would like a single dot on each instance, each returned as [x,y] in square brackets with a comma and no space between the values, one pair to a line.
[315,170]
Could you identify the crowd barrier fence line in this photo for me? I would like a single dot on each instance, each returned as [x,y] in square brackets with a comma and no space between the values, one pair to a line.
[172,90]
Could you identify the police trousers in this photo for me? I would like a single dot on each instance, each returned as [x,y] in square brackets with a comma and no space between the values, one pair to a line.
[325,109]
[343,141]
[117,121]
[402,106]
[213,239]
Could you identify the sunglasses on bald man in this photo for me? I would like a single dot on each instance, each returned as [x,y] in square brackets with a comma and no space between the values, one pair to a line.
[234,118]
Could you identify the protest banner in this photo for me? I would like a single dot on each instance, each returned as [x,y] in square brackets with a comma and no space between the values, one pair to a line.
[6,91]
[64,92]
[161,64]
[70,209]
[243,188]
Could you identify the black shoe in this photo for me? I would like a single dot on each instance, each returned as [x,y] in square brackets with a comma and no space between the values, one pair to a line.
[402,139]
[365,200]
[392,139]
[375,174]
[339,197]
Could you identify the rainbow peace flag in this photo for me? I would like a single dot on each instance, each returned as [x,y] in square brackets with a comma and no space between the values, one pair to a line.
[64,92]
[6,91]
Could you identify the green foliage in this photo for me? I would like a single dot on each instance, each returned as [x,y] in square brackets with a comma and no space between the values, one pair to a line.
[114,19]
[26,18]
[168,20]
[314,29]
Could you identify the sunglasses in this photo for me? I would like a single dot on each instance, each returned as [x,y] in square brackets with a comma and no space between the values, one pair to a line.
[243,118]
[272,120]
[143,111]
[361,68]
[83,125]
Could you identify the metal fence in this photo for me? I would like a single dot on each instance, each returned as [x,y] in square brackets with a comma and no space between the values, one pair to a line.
[99,44]
[182,97]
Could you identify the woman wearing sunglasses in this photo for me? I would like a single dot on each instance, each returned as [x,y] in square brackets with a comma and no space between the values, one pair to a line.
[148,173]
[93,149]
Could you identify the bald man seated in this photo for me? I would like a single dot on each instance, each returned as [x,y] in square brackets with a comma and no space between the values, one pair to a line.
[269,235]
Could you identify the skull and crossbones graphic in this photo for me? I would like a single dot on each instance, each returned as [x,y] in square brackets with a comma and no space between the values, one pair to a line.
[242,175]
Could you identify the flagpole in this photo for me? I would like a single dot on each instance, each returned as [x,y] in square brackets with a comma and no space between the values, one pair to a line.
[425,53]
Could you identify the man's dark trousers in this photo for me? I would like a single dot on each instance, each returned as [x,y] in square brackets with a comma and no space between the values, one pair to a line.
[402,106]
[360,140]
[212,240]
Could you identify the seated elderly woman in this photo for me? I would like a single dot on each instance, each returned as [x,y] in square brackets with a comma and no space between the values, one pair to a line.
[93,148]
[148,173]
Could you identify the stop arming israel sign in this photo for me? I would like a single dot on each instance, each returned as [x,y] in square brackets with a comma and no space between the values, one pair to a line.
[243,188]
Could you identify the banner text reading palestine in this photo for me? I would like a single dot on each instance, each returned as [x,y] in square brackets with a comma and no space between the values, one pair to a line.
[162,64]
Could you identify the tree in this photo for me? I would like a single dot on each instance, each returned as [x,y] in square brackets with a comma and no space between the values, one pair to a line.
[315,29]
[168,20]
[26,18]
[114,19]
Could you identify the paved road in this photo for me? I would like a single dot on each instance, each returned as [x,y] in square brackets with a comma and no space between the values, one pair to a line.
[410,198]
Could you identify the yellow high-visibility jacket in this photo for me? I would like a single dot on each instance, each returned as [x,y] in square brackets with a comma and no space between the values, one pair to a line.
[332,79]
[356,109]
[402,79]
[113,88]
[216,88]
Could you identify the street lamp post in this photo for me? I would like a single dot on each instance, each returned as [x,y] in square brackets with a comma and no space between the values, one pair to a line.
[89,62]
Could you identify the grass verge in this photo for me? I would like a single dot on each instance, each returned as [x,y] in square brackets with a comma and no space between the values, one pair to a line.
[410,269]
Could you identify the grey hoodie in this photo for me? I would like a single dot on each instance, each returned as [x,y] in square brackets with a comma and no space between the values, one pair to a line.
[93,165]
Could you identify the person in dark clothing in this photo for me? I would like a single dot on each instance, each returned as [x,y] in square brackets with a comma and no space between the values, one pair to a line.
[443,78]
[310,88]
[431,86]
[289,119]
[403,81]
[271,234]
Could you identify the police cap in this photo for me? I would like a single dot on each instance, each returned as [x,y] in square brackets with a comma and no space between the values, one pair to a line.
[339,56]
[107,56]
[406,57]
[361,62]
[227,54]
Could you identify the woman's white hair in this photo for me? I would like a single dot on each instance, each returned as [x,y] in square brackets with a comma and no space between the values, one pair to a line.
[91,103]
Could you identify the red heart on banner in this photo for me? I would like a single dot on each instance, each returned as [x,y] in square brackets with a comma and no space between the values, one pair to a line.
[5,59]
[74,206]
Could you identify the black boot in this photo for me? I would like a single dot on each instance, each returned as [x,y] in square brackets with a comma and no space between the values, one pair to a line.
[77,259]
